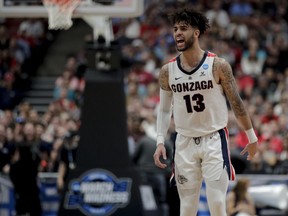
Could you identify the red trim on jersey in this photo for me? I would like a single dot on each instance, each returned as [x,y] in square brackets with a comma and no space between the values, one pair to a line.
[173,59]
[172,173]
[210,54]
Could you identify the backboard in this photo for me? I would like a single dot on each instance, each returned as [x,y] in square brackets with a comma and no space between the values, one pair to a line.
[110,8]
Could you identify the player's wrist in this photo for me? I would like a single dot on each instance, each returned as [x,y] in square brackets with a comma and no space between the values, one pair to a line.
[250,133]
[160,140]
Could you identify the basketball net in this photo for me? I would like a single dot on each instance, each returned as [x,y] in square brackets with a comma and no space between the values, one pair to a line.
[60,13]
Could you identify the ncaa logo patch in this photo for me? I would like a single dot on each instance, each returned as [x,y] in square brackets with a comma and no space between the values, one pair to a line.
[205,66]
[98,192]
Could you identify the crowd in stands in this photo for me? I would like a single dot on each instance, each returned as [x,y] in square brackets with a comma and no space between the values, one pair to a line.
[22,47]
[251,35]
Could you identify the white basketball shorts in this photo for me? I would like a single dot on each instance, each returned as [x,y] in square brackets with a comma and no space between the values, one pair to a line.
[202,157]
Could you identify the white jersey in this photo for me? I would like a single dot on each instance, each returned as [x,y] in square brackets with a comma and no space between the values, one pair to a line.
[199,104]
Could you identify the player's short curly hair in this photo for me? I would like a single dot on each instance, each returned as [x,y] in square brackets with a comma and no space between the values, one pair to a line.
[190,17]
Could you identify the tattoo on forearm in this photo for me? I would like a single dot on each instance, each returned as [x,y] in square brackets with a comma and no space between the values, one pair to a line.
[230,88]
[164,79]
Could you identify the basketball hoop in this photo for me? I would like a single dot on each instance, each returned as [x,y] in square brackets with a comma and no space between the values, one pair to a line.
[60,13]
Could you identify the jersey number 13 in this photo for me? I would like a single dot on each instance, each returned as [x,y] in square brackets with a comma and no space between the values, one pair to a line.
[198,103]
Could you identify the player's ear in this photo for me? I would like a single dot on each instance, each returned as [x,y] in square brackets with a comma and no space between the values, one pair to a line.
[197,33]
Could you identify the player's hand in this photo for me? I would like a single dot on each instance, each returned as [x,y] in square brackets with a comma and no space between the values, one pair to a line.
[160,152]
[251,148]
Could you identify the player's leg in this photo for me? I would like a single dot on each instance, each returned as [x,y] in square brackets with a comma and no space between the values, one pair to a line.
[188,175]
[216,166]
[189,199]
[216,194]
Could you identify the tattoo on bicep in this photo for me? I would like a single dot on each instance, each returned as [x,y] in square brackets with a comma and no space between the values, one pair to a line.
[231,90]
[164,79]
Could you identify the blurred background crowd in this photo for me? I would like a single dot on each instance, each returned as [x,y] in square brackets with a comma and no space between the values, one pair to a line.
[252,35]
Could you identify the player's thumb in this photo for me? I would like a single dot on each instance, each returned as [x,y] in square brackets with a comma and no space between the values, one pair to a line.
[164,155]
[243,151]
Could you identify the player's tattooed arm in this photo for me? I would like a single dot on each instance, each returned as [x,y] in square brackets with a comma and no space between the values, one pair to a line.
[164,78]
[227,80]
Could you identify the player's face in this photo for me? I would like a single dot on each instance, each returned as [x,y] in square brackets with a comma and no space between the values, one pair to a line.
[183,36]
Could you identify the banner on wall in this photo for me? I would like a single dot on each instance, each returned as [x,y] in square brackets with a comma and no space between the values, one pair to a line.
[98,192]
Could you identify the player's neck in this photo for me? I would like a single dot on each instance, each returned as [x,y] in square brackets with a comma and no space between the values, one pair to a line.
[191,58]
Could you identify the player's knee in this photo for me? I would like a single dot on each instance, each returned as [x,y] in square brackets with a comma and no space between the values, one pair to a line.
[217,206]
[217,201]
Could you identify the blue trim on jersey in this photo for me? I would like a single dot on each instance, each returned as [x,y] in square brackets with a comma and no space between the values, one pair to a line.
[225,153]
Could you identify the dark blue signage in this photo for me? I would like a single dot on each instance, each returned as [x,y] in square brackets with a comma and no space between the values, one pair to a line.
[98,193]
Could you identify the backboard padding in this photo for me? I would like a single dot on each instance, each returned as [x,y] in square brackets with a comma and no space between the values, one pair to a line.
[35,8]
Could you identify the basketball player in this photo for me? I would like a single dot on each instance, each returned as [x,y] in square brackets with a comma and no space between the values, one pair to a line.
[197,83]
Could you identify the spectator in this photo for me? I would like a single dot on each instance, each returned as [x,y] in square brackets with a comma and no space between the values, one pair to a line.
[150,174]
[6,151]
[268,114]
[258,166]
[239,202]
[217,15]
[9,96]
[66,86]
[67,158]
[282,166]
[24,176]
[4,38]
[253,59]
